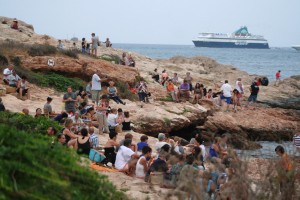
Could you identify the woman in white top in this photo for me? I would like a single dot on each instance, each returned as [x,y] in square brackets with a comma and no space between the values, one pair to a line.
[142,164]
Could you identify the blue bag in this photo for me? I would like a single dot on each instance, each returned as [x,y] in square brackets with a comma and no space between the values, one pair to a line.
[96,156]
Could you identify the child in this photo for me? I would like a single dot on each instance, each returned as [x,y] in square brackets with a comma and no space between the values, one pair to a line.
[142,143]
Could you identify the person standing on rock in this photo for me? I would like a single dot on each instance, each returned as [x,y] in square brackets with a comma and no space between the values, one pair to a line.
[96,87]
[70,100]
[254,89]
[277,75]
[95,43]
[296,143]
[226,89]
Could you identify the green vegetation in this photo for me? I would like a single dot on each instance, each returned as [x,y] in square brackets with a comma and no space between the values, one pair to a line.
[30,169]
[41,50]
[47,78]
[70,53]
[125,92]
[28,123]
[110,58]
[167,99]
[167,121]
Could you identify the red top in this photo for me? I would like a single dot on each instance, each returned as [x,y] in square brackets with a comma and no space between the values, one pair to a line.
[278,75]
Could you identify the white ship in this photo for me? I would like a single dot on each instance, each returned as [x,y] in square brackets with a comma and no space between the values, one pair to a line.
[239,39]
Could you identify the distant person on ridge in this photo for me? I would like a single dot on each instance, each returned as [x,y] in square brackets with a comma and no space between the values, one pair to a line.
[60,45]
[108,43]
[278,75]
[95,43]
[83,46]
[14,25]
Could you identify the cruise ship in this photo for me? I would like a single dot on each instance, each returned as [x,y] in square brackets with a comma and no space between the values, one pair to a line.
[238,39]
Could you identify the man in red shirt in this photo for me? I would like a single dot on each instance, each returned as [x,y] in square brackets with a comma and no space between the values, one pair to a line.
[277,77]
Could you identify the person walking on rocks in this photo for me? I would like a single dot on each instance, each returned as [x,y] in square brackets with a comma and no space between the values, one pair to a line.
[296,143]
[96,87]
[226,89]
[254,89]
[277,75]
[95,43]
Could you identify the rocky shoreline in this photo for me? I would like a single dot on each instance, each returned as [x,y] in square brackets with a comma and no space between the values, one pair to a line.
[276,118]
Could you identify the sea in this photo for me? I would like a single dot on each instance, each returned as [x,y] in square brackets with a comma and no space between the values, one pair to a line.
[263,62]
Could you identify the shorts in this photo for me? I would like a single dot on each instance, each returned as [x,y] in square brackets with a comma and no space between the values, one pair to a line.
[227,99]
[252,98]
[95,95]
[24,91]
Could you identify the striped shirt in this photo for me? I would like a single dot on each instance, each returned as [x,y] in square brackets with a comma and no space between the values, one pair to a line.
[94,140]
[297,140]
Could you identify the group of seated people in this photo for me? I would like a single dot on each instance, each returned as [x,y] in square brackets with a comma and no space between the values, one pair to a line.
[173,161]
[11,78]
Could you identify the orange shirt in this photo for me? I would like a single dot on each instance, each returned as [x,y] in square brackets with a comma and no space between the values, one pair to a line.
[170,87]
[286,162]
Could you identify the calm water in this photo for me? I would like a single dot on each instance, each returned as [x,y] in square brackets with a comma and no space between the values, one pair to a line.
[264,62]
[267,150]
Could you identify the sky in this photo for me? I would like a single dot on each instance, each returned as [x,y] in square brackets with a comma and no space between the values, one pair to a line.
[158,21]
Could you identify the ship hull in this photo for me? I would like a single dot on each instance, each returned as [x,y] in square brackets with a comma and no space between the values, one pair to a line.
[251,45]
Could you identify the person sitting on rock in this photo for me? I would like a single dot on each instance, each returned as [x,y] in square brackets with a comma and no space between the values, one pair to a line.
[38,113]
[155,75]
[144,162]
[13,79]
[60,45]
[131,60]
[142,143]
[198,93]
[108,43]
[112,93]
[14,25]
[175,79]
[189,80]
[161,142]
[171,90]
[164,77]
[110,148]
[184,90]
[126,158]
[22,88]
[6,74]
[124,59]
[81,143]
[129,136]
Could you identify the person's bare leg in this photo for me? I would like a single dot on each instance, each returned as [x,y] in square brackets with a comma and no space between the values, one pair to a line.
[28,94]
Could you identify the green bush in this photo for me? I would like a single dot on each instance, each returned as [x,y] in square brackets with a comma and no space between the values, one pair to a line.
[110,58]
[124,92]
[30,169]
[41,50]
[49,79]
[70,53]
[28,123]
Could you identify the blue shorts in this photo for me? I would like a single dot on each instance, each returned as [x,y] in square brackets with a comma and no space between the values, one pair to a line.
[227,99]
[252,98]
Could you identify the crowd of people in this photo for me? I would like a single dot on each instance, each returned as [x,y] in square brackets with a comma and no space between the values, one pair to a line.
[188,90]
[88,114]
